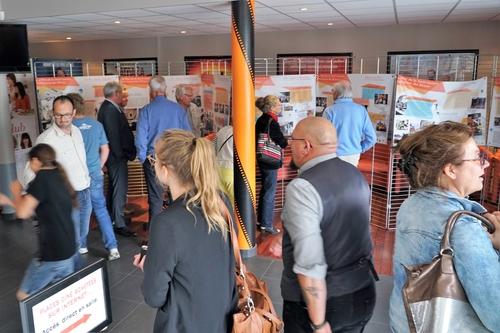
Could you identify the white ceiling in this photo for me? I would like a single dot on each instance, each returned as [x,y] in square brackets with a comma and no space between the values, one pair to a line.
[213,17]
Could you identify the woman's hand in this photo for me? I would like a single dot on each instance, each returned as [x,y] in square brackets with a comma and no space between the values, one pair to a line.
[16,188]
[494,218]
[139,262]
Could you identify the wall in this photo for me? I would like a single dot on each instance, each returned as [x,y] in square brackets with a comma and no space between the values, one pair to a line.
[368,43]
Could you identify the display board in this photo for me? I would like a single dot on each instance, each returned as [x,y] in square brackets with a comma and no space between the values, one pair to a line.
[373,91]
[24,119]
[216,102]
[136,89]
[494,128]
[423,102]
[89,87]
[297,94]
[79,303]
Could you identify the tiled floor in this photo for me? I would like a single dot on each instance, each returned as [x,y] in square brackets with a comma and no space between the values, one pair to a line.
[130,313]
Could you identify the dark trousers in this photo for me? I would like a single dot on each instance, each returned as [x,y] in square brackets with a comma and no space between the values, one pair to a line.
[266,197]
[117,193]
[346,314]
[155,190]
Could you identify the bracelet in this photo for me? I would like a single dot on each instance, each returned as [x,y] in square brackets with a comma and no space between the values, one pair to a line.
[317,327]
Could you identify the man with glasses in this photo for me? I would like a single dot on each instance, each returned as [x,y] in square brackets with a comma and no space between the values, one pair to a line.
[122,150]
[328,278]
[66,139]
[184,95]
[156,117]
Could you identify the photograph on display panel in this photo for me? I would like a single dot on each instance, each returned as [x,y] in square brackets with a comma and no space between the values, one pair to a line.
[420,103]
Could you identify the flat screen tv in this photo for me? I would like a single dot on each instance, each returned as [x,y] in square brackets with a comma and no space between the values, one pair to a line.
[14,53]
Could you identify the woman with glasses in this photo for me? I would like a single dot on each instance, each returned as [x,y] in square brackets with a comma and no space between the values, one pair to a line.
[444,164]
[189,269]
[268,123]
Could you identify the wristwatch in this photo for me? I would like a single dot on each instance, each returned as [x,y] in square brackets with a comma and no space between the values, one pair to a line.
[317,327]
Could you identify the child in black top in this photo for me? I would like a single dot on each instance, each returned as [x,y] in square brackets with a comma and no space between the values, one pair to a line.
[52,198]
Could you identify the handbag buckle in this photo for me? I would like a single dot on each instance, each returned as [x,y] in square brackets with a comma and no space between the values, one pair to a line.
[249,306]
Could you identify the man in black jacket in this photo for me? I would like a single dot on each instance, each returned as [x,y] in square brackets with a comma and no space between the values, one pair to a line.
[122,149]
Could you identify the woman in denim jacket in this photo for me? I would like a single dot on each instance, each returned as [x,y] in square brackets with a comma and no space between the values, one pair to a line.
[445,165]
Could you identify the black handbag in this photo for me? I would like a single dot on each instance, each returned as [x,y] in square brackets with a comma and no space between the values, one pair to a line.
[268,152]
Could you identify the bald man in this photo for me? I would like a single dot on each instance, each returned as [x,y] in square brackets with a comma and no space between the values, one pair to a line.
[327,230]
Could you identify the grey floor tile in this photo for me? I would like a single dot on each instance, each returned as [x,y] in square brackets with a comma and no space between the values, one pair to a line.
[258,265]
[372,327]
[274,270]
[273,286]
[384,289]
[120,309]
[129,289]
[140,320]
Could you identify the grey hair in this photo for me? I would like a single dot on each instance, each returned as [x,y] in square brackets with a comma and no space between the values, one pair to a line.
[181,91]
[111,88]
[342,89]
[157,83]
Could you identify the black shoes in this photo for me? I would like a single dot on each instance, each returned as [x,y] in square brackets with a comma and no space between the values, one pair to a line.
[124,231]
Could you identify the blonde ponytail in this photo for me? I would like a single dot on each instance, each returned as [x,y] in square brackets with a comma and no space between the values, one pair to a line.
[193,161]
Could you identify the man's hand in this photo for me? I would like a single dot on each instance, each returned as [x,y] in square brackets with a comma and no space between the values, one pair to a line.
[324,329]
[16,188]
[494,218]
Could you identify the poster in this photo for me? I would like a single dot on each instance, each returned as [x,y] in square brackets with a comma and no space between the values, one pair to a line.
[423,102]
[373,91]
[297,94]
[136,90]
[89,87]
[494,128]
[23,115]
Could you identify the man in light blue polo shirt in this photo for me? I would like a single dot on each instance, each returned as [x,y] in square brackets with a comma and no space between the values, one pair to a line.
[97,151]
[355,131]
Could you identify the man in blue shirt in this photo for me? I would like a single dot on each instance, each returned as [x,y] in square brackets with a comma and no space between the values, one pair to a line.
[154,118]
[354,128]
[97,151]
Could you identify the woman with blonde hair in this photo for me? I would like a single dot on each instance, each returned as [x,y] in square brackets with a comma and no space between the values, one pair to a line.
[189,269]
[268,123]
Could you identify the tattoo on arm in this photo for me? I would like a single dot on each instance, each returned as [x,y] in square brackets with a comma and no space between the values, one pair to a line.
[312,292]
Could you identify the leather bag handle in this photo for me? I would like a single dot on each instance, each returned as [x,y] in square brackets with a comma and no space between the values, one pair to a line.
[452,220]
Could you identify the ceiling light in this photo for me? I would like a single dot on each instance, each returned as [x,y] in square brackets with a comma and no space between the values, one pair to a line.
[68,38]
[117,22]
[303,9]
[330,23]
[183,31]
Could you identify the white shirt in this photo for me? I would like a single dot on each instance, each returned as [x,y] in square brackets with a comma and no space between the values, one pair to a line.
[70,153]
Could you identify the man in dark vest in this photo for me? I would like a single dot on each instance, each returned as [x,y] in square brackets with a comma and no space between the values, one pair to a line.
[328,276]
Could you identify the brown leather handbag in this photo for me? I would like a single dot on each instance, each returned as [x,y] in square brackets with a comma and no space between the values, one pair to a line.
[255,312]
[434,299]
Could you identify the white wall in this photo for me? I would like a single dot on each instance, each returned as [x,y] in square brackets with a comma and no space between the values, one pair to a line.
[367,43]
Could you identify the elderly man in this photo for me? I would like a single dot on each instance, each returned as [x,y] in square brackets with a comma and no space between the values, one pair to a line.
[354,128]
[67,141]
[184,96]
[159,115]
[328,277]
[122,150]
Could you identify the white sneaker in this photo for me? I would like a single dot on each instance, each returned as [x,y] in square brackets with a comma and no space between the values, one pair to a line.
[83,250]
[113,254]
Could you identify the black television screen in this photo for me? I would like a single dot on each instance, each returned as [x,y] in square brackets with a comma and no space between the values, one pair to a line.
[14,53]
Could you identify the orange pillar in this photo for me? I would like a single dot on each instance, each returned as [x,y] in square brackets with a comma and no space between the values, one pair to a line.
[242,45]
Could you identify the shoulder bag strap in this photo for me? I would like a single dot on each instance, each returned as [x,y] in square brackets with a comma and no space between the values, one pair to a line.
[445,241]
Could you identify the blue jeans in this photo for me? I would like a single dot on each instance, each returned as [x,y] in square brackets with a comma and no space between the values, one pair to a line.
[40,274]
[266,197]
[81,220]
[101,212]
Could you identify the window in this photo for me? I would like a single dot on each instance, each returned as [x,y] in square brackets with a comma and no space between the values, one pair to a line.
[208,65]
[131,67]
[314,63]
[45,67]
[455,65]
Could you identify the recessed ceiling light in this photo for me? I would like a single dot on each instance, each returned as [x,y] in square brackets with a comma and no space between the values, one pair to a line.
[68,38]
[330,23]
[183,31]
[303,9]
[117,22]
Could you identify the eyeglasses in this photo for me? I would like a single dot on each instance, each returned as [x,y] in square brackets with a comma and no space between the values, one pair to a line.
[63,116]
[291,139]
[483,158]
[151,160]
